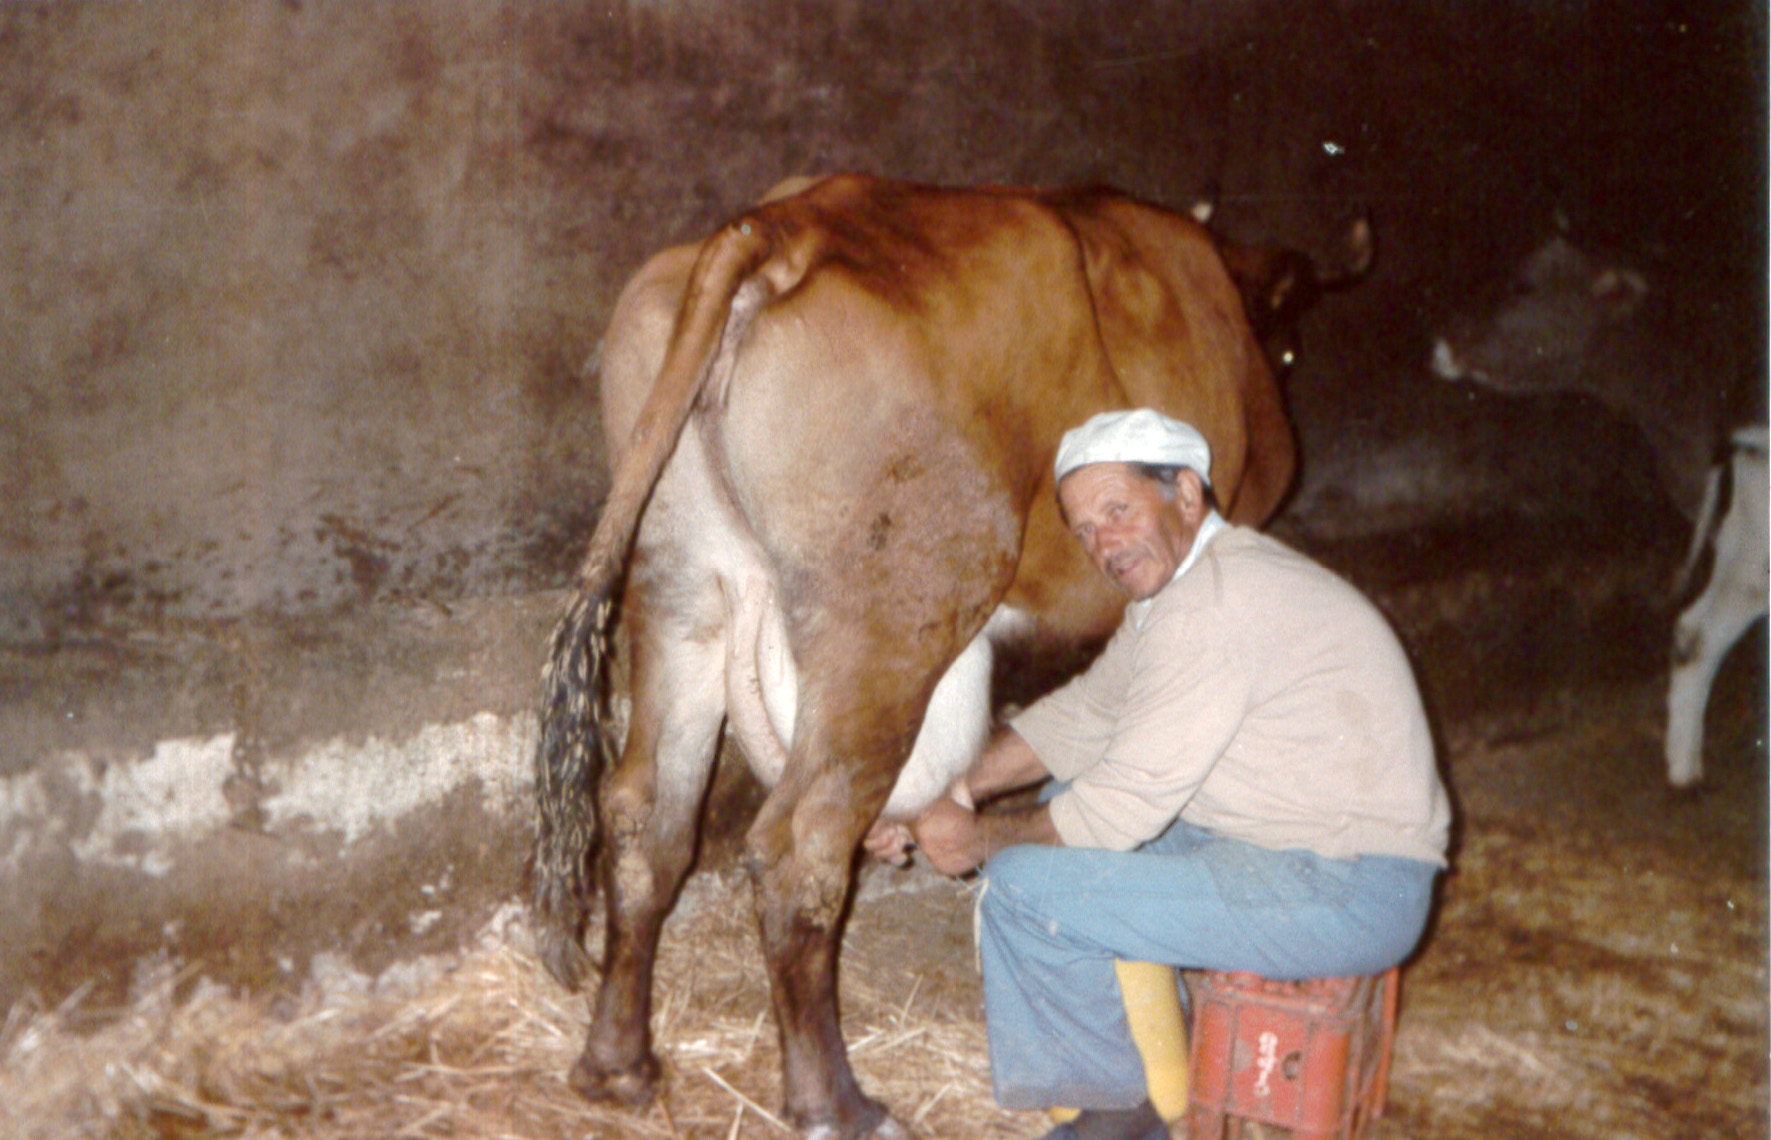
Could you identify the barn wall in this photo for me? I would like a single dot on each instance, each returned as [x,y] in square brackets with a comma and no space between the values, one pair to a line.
[290,321]
[298,296]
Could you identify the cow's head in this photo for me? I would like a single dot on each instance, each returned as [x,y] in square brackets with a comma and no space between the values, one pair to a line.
[1539,333]
[1279,285]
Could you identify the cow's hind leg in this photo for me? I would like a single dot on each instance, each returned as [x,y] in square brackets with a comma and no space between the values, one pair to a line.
[863,700]
[650,807]
[801,853]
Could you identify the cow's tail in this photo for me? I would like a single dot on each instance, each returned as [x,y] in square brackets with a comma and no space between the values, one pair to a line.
[738,270]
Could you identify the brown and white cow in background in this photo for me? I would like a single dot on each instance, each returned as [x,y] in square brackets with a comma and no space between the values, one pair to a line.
[832,426]
[1574,323]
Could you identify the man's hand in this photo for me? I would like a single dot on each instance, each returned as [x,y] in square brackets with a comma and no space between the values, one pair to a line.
[893,842]
[951,833]
[951,837]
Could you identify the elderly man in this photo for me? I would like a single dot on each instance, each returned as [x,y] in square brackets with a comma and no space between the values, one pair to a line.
[1244,781]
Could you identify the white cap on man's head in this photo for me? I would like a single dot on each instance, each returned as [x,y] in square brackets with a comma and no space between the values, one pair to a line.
[1138,436]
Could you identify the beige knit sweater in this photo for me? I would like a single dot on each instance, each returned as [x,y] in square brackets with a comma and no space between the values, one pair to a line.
[1257,695]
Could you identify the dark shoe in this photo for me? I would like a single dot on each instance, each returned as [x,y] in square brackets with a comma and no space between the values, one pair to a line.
[1140,1123]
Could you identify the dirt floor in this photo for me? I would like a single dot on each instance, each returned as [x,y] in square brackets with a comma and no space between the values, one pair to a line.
[1597,965]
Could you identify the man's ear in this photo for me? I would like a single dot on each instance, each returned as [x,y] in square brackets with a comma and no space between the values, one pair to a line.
[1190,493]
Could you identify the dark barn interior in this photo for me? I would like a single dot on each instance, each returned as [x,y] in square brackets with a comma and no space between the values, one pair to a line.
[300,447]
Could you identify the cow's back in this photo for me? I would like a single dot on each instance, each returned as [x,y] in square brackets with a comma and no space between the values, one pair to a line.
[931,354]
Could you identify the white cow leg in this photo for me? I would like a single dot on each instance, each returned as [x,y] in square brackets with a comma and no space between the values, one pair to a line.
[1705,634]
[1734,599]
[1687,695]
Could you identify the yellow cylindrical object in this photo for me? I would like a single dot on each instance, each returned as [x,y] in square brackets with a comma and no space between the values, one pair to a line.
[1153,1008]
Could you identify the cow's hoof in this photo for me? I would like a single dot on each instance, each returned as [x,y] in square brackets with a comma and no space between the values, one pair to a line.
[887,1128]
[634,1086]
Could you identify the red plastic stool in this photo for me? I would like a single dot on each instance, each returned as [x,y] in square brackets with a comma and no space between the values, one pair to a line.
[1310,1056]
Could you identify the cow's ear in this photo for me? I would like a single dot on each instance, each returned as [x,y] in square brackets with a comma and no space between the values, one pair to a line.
[1619,292]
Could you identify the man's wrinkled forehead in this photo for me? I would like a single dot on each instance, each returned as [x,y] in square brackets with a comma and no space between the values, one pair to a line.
[1107,479]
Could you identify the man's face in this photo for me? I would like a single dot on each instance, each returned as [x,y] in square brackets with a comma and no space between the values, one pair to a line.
[1131,533]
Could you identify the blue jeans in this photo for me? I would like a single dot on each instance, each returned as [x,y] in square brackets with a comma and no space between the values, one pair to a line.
[1053,919]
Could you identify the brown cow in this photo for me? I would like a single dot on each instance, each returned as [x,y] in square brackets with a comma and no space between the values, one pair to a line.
[832,426]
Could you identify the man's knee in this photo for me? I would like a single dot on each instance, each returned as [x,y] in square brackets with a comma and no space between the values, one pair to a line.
[1015,879]
[1010,870]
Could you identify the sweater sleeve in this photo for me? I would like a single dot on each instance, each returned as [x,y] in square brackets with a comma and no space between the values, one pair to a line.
[1069,727]
[1187,693]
